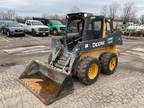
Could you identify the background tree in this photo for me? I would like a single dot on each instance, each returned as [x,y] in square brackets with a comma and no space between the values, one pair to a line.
[8,15]
[20,19]
[55,16]
[11,14]
[104,10]
[113,9]
[129,11]
[1,14]
[110,10]
[142,19]
[44,15]
[75,9]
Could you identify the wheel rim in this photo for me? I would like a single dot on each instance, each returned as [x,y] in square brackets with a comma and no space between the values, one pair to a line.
[33,32]
[112,64]
[93,71]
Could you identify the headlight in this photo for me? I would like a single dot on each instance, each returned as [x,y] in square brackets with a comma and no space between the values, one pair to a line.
[85,15]
[67,16]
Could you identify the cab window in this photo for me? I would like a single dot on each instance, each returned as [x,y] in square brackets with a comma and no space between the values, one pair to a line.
[97,25]
[94,29]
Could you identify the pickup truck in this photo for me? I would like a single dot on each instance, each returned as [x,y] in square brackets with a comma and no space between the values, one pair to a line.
[36,28]
[55,26]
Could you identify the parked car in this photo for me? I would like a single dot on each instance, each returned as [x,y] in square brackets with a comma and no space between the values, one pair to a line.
[11,28]
[55,26]
[36,28]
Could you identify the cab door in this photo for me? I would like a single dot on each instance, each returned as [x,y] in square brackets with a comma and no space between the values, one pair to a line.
[95,29]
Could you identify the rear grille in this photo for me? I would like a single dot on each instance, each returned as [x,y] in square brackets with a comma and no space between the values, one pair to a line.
[43,29]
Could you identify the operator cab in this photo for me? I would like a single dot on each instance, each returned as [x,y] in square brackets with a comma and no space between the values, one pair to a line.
[85,26]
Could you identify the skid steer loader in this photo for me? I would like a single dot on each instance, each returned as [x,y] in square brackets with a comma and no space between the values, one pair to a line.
[88,48]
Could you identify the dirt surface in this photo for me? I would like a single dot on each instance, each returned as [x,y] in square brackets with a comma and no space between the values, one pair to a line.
[123,89]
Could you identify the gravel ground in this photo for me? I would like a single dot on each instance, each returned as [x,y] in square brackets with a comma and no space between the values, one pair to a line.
[123,89]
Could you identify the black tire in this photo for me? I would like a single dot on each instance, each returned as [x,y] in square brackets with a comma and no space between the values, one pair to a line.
[55,32]
[108,67]
[23,35]
[47,34]
[49,58]
[33,33]
[83,69]
[3,31]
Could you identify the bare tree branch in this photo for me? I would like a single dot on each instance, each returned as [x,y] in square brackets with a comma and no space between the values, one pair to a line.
[142,19]
[75,9]
[110,10]
[113,9]
[9,15]
[129,11]
[44,15]
[104,10]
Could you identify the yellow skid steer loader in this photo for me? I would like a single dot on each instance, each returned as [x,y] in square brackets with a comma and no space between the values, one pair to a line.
[88,48]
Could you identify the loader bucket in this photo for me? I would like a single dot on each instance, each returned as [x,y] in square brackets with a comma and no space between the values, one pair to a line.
[46,82]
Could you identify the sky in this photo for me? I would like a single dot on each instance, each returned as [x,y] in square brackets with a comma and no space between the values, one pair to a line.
[61,7]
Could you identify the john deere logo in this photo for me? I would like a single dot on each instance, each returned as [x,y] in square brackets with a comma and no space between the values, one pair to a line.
[98,44]
[110,40]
